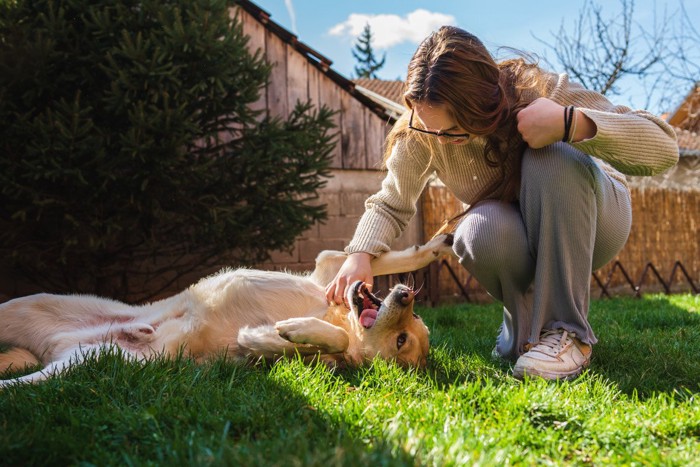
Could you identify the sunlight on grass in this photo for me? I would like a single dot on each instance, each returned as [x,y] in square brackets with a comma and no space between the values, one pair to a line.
[637,404]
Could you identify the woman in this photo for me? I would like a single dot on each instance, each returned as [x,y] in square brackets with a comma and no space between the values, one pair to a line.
[539,161]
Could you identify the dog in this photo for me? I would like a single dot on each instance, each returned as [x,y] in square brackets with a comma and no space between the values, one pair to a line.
[243,314]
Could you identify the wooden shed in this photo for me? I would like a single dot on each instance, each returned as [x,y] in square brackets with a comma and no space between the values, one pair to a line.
[300,73]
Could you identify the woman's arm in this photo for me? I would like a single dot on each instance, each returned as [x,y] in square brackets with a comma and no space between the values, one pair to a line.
[388,212]
[633,142]
[542,123]
[386,215]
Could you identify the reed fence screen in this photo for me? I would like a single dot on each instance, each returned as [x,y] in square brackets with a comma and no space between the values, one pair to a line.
[662,253]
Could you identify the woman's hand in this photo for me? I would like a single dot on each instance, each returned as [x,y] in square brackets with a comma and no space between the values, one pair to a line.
[542,123]
[357,266]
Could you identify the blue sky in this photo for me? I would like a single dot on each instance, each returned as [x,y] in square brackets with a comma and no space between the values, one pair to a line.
[332,27]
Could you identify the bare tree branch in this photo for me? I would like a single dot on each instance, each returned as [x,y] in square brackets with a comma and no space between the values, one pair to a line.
[604,52]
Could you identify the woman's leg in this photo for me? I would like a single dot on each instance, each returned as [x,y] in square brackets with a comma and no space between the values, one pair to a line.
[491,243]
[577,219]
[572,218]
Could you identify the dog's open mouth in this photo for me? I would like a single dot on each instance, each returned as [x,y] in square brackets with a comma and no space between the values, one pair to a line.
[366,305]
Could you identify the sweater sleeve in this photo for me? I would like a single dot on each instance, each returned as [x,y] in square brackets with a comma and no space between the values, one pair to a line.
[634,142]
[388,212]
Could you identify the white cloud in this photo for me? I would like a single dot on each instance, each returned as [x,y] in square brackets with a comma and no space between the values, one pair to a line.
[292,15]
[390,30]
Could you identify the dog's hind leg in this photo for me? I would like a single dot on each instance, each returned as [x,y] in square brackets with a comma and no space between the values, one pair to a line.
[141,333]
[17,358]
[48,371]
[56,367]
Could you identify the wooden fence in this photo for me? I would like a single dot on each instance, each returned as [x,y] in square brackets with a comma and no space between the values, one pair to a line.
[662,253]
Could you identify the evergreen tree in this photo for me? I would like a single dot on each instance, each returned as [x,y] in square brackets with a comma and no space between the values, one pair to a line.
[129,154]
[364,54]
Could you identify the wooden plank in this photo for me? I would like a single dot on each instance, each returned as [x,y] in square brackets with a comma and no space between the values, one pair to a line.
[353,140]
[375,132]
[254,30]
[297,78]
[313,86]
[329,95]
[277,89]
[256,34]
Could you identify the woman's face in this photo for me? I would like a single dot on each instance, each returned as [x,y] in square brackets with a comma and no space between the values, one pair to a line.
[436,120]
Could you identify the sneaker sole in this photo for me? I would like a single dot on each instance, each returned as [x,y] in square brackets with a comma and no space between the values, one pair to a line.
[522,373]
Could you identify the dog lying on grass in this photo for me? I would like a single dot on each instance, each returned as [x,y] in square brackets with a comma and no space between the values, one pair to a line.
[245,314]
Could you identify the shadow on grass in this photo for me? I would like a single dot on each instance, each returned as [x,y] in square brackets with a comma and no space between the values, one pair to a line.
[108,412]
[645,345]
[462,337]
[648,345]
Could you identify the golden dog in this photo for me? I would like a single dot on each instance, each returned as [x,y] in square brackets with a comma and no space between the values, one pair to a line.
[245,314]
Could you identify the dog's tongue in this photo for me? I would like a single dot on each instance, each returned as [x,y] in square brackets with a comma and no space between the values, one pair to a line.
[368,317]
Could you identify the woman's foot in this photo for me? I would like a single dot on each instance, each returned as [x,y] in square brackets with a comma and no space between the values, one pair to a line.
[558,355]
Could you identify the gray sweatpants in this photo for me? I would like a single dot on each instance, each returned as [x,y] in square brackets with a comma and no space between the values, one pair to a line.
[536,256]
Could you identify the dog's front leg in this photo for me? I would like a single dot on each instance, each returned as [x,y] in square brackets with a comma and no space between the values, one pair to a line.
[313,331]
[413,258]
[266,342]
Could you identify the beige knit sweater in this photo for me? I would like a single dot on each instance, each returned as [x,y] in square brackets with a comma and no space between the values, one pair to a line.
[626,142]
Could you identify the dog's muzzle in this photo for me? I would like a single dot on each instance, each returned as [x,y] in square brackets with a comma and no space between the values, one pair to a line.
[365,304]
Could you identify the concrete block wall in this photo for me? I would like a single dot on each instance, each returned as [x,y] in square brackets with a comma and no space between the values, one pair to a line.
[344,196]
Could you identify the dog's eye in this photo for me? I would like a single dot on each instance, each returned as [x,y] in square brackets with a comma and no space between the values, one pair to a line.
[401,340]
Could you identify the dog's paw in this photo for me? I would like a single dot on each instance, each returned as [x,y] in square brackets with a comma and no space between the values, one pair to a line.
[293,329]
[315,332]
[448,239]
[441,244]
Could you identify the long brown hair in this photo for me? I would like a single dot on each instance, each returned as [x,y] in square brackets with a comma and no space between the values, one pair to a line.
[453,68]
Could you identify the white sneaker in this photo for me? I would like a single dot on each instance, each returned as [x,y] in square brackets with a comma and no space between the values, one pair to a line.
[558,355]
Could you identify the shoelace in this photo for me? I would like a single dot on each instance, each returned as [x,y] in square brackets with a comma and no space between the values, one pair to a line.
[551,342]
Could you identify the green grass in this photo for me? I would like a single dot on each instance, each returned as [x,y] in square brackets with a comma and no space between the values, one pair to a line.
[638,404]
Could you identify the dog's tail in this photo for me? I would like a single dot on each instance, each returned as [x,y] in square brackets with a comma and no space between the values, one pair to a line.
[17,359]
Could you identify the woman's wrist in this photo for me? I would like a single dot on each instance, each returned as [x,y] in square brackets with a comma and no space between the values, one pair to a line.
[361,256]
[582,127]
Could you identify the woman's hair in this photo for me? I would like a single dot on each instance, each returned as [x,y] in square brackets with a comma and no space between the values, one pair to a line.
[453,69]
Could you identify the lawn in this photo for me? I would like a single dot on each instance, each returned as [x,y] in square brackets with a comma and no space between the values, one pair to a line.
[639,403]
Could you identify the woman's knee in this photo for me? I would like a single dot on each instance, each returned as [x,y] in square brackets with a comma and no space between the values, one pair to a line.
[492,234]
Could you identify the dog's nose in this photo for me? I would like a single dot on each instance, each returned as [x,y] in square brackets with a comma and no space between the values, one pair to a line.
[406,296]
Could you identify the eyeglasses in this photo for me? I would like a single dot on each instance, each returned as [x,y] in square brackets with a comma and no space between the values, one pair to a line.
[436,133]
